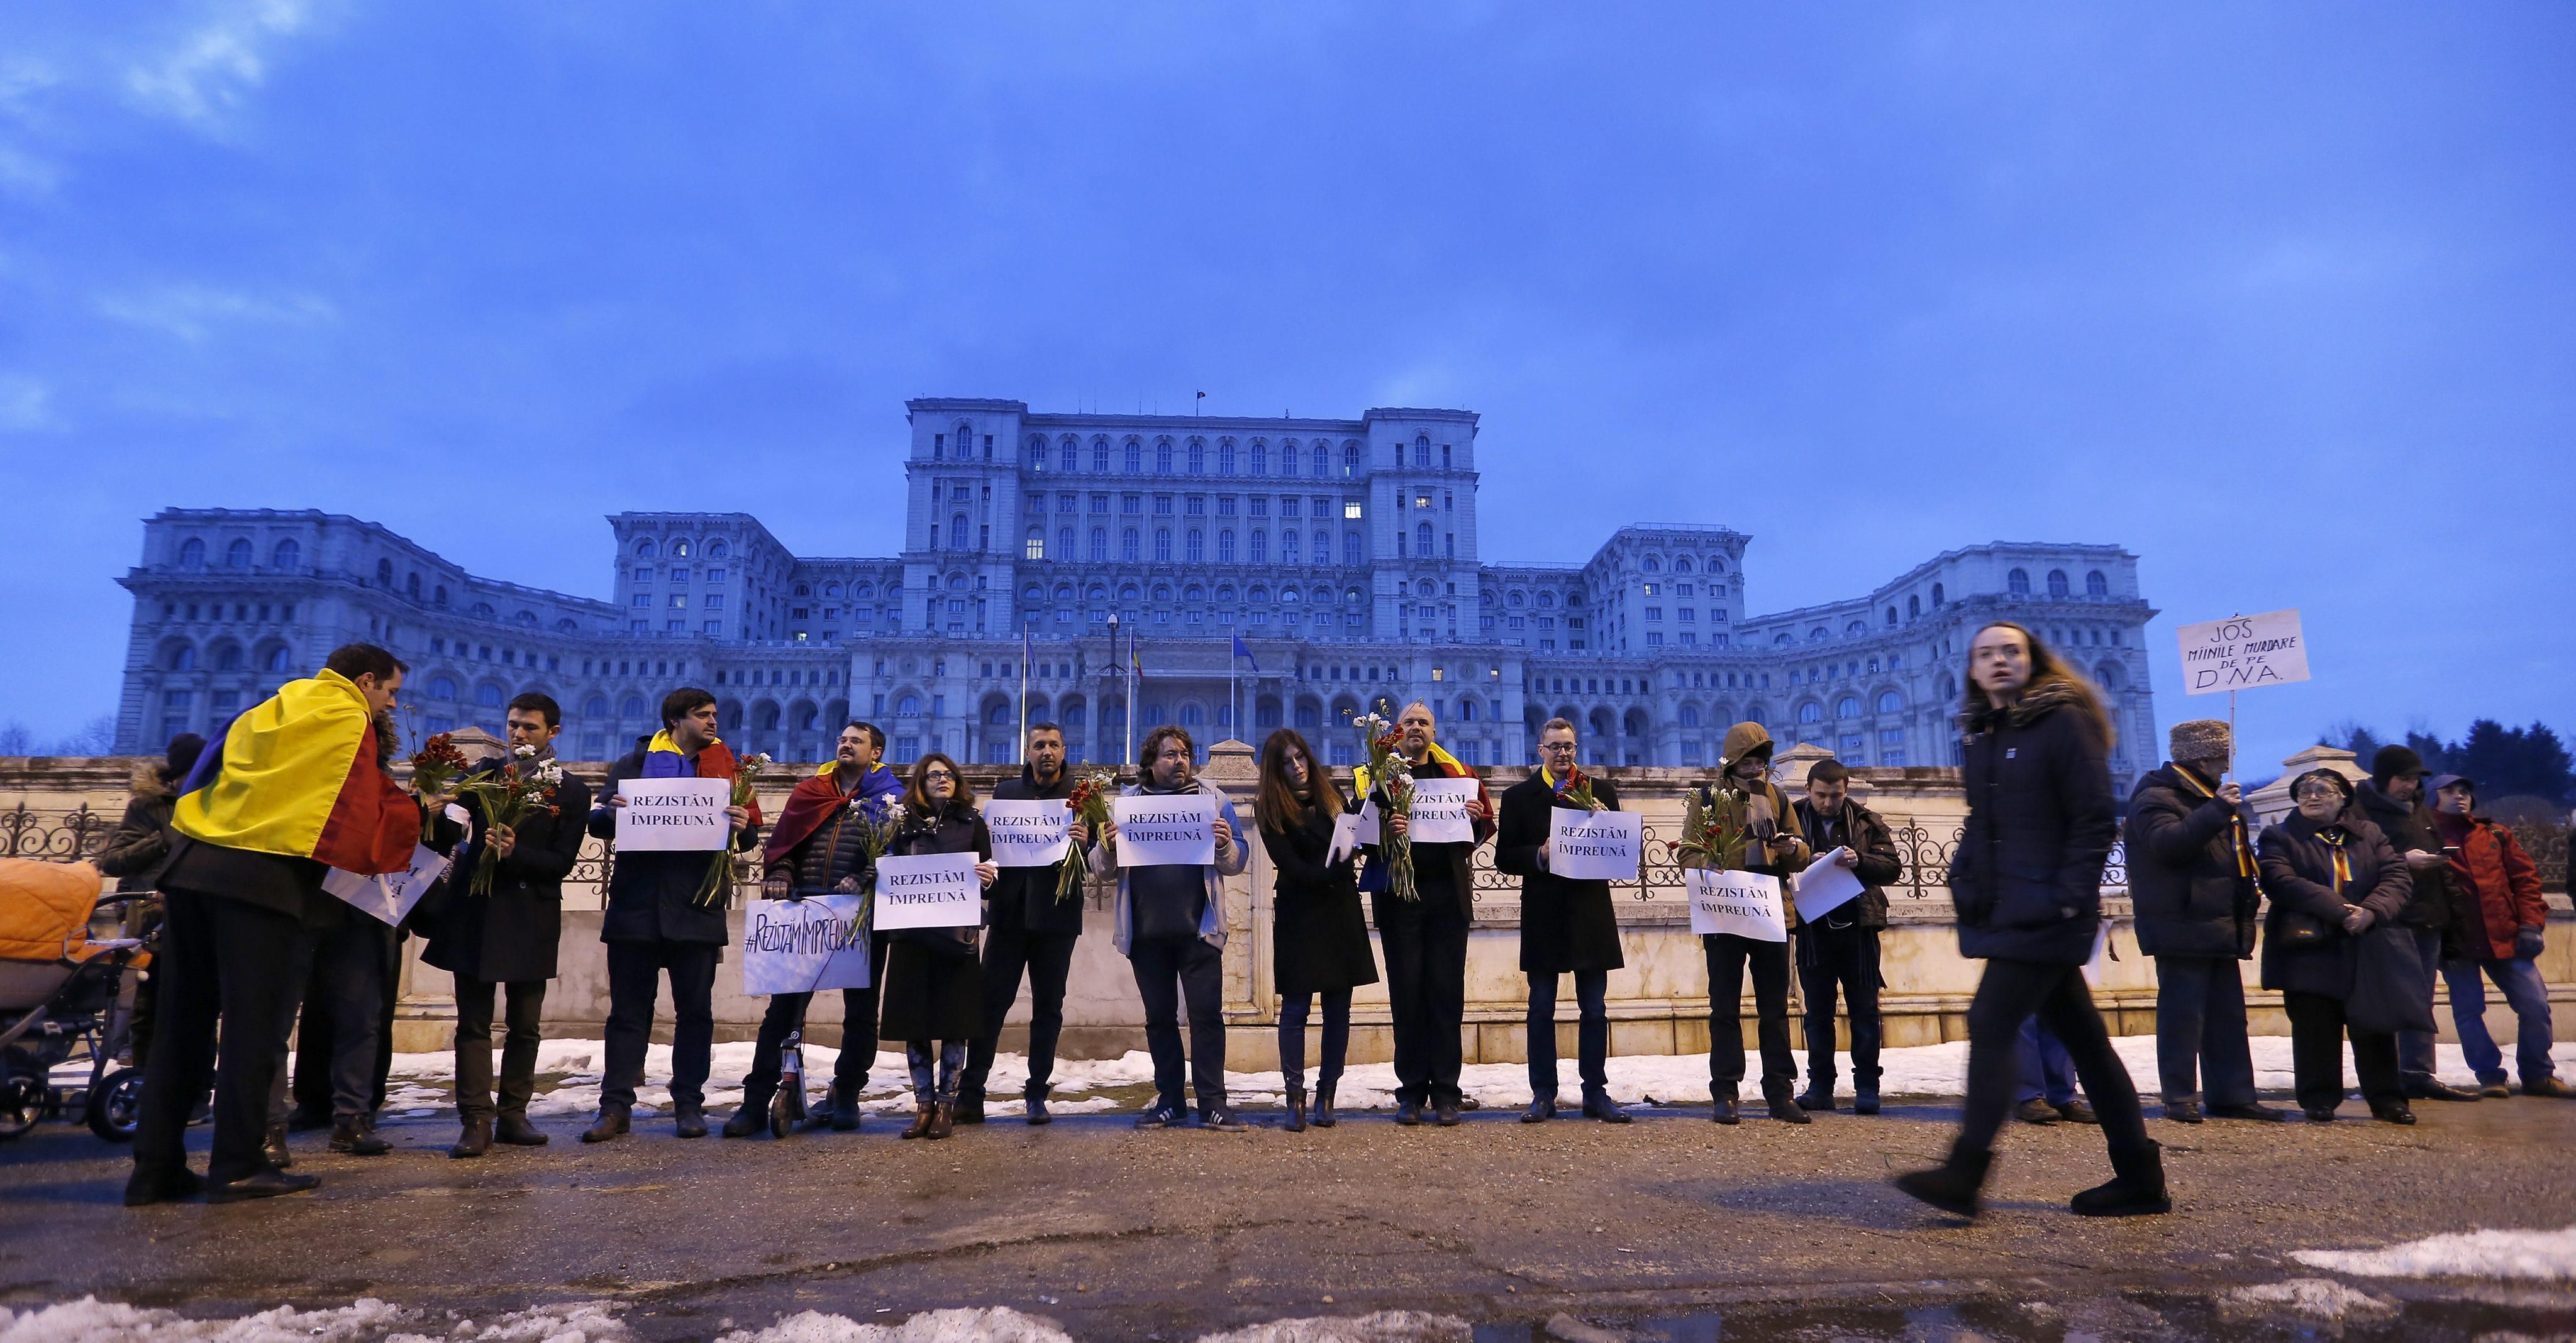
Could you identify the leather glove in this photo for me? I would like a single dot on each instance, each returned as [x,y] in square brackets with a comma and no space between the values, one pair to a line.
[2527,944]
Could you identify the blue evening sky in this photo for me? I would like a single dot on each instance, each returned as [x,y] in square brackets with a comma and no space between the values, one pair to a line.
[2280,297]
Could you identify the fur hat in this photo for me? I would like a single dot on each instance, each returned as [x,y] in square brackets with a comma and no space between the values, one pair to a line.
[2201,739]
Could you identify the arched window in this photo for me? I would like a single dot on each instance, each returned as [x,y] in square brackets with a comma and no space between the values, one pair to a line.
[1064,543]
[1163,457]
[1653,565]
[442,688]
[1891,617]
[1690,715]
[2018,582]
[957,532]
[1847,707]
[1198,458]
[1127,544]
[1225,547]
[411,586]
[1071,452]
[715,550]
[1259,552]
[2057,583]
[1936,594]
[1811,712]
[595,707]
[1351,458]
[1100,543]
[1422,540]
[1035,549]
[1350,547]
[1100,455]
[1260,457]
[1913,605]
[1890,702]
[644,549]
[276,660]
[1135,456]
[1287,546]
[680,549]
[1196,546]
[632,708]
[287,555]
[1192,715]
[908,707]
[1422,449]
[2097,584]
[1323,462]
[384,573]
[228,657]
[237,555]
[481,611]
[1467,709]
[489,696]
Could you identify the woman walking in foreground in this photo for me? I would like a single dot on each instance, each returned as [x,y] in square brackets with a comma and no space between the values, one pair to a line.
[2027,882]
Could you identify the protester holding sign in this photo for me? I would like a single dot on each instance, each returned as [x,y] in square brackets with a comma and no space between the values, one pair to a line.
[1838,949]
[1319,942]
[2333,881]
[1030,930]
[1772,847]
[2027,883]
[1425,933]
[296,787]
[1171,923]
[657,924]
[820,846]
[933,992]
[2191,878]
[504,940]
[1568,926]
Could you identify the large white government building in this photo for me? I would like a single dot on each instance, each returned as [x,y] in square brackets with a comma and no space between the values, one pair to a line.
[1344,553]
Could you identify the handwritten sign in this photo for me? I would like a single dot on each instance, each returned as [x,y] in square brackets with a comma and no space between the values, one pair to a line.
[674,814]
[2243,652]
[1165,830]
[1746,904]
[1594,845]
[388,899]
[1826,885]
[930,890]
[1027,833]
[1439,813]
[804,946]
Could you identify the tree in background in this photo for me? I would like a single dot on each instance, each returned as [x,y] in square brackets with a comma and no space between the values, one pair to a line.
[2506,762]
[97,737]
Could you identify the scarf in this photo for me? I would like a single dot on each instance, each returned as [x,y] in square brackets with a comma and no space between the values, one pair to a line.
[2334,837]
[2235,820]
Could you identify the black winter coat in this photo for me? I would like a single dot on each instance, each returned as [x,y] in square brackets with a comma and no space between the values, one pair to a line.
[510,935]
[1859,829]
[933,990]
[140,845]
[2298,873]
[2184,871]
[1565,924]
[2027,877]
[1024,897]
[652,896]
[1319,939]
[2410,827]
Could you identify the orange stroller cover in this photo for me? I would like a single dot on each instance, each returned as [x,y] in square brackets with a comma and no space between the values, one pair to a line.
[45,908]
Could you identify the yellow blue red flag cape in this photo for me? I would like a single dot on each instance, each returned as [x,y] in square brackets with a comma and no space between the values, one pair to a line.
[297,777]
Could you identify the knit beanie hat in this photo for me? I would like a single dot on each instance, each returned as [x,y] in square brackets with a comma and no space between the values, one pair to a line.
[2394,762]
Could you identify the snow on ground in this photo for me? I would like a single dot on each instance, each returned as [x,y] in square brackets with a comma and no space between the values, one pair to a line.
[2319,1298]
[1385,1326]
[998,1324]
[367,1320]
[2521,1256]
[421,1081]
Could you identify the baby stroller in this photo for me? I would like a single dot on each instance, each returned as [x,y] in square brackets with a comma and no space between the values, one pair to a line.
[62,1001]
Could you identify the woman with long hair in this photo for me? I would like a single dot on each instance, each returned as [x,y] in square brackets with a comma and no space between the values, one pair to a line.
[933,990]
[2027,883]
[1319,940]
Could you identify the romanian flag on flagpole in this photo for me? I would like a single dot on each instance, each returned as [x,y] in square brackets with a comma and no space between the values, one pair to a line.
[297,777]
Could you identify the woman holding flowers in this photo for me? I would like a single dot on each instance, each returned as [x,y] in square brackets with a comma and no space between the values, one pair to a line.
[932,988]
[1567,926]
[1424,898]
[1319,941]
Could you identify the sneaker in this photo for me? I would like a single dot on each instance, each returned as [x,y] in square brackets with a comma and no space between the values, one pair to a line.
[1160,1116]
[1223,1119]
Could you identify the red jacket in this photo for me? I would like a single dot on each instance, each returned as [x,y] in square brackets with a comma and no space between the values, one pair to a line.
[2497,891]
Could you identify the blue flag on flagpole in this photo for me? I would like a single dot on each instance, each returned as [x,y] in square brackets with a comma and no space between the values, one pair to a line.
[1246,654]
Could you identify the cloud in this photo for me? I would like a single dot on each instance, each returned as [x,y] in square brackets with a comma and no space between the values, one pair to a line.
[24,407]
[192,312]
[212,68]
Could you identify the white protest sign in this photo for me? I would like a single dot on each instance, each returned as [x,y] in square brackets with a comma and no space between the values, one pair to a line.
[1826,885]
[804,946]
[1746,904]
[1027,833]
[2101,947]
[1594,845]
[1158,830]
[389,898]
[1439,814]
[1365,829]
[930,890]
[2242,652]
[1346,838]
[669,814]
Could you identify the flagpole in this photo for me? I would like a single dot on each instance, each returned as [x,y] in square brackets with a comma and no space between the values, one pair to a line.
[1024,693]
[1130,753]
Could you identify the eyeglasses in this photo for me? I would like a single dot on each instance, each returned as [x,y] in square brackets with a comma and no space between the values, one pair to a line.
[2317,790]
[1557,747]
[934,776]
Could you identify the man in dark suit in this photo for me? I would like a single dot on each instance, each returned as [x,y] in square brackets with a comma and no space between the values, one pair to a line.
[505,939]
[1567,926]
[1030,931]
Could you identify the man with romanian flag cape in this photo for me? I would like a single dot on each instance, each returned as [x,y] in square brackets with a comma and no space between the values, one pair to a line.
[293,787]
[663,918]
[820,846]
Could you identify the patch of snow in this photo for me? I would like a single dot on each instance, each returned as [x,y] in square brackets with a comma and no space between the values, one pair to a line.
[996,1324]
[90,1320]
[2320,1298]
[1385,1326]
[2517,1256]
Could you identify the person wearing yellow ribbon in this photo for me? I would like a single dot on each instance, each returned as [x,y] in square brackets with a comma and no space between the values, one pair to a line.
[2191,880]
[2331,878]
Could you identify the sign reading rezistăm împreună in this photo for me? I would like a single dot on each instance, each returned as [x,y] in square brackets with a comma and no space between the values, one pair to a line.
[2242,652]
[1162,829]
[674,814]
[1594,845]
[930,890]
[1746,904]
[1027,832]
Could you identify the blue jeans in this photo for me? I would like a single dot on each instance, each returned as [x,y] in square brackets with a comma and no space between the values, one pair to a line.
[2529,998]
[2046,1071]
[2415,1048]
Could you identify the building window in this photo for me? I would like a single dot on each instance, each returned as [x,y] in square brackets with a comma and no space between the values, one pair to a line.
[1036,548]
[2017,583]
[1127,544]
[2057,583]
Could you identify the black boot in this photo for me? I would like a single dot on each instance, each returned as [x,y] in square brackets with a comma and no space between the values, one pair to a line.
[845,1107]
[1953,1185]
[515,1130]
[1722,1109]
[1297,1105]
[474,1141]
[351,1136]
[2136,1188]
[970,1107]
[274,1149]
[1865,1097]
[749,1120]
[689,1121]
[1784,1108]
[611,1125]
[1324,1105]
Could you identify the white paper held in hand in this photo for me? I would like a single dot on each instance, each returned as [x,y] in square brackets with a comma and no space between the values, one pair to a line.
[1439,811]
[1346,838]
[1027,833]
[1826,885]
[663,815]
[803,946]
[1165,829]
[1593,845]
[930,890]
[1746,904]
[388,899]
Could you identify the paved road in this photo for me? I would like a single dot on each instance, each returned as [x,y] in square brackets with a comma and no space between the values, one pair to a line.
[1118,1233]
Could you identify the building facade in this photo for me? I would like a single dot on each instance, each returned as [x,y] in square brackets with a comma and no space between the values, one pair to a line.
[1343,554]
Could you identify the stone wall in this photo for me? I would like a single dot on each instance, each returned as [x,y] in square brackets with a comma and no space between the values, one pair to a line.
[62,809]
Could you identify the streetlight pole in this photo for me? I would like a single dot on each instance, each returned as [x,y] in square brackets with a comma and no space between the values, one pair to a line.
[1116,671]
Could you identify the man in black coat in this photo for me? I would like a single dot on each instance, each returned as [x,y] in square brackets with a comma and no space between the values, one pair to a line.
[504,940]
[656,923]
[1567,927]
[1840,948]
[2191,881]
[1029,929]
[2392,798]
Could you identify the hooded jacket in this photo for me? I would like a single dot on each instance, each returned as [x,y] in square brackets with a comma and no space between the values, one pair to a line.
[2191,869]
[2027,876]
[1771,813]
[141,843]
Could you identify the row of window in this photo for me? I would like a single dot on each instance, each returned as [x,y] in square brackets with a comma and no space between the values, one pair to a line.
[1194,546]
[239,553]
[1194,457]
[680,548]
